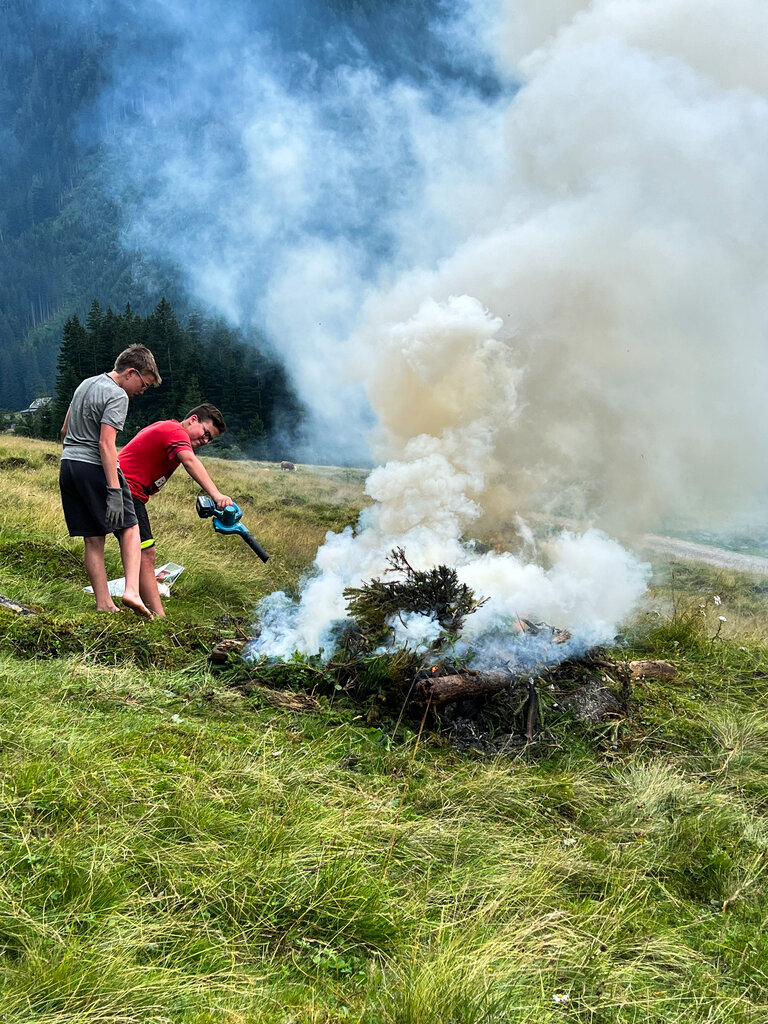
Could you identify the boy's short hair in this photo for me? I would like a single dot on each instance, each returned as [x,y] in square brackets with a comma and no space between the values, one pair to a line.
[138,357]
[210,414]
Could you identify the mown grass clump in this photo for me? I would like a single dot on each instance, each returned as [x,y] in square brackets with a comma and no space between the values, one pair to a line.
[26,558]
[106,639]
[28,461]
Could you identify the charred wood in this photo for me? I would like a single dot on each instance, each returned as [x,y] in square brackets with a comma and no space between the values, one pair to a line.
[531,711]
[466,686]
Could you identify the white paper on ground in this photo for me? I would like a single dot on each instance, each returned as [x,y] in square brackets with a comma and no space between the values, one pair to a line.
[166,575]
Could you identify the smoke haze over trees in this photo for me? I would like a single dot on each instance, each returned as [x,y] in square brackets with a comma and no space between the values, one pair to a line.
[87,92]
[58,226]
[370,189]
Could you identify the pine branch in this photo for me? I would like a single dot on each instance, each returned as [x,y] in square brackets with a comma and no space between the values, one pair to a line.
[435,592]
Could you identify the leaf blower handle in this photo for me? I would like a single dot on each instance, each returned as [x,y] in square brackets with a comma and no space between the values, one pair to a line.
[252,543]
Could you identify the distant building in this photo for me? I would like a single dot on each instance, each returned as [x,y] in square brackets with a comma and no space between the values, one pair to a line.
[36,405]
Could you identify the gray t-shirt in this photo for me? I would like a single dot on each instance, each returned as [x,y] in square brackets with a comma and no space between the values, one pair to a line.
[97,400]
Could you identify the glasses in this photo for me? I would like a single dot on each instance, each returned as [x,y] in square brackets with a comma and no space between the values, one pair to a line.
[207,435]
[145,383]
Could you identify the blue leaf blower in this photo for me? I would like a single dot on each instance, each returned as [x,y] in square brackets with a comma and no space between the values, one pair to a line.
[227,520]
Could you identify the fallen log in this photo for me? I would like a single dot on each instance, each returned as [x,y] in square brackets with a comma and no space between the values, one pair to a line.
[591,702]
[447,689]
[652,670]
[15,606]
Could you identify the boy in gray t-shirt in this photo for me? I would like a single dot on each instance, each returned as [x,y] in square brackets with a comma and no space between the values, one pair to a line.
[94,495]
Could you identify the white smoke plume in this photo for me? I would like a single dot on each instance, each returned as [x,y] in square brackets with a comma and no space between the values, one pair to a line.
[621,265]
[626,259]
[450,384]
[551,292]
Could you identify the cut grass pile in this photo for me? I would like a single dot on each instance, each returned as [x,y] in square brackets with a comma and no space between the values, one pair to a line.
[173,853]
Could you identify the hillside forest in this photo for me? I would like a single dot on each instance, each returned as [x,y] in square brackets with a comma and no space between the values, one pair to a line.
[202,362]
[62,224]
[60,246]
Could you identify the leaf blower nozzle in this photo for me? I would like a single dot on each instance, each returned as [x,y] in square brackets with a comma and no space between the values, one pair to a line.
[227,520]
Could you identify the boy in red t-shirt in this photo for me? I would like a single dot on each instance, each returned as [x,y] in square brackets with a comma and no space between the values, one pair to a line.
[150,459]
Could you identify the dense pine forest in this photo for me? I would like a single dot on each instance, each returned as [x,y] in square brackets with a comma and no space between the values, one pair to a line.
[202,362]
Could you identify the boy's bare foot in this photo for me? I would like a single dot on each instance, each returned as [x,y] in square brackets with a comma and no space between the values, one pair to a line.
[108,608]
[137,605]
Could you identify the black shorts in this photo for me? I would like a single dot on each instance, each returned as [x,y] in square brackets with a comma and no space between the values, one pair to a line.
[145,530]
[83,489]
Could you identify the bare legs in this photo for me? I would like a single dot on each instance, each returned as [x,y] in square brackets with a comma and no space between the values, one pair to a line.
[130,553]
[97,574]
[147,582]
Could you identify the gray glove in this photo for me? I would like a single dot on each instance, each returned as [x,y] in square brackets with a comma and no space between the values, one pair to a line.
[114,516]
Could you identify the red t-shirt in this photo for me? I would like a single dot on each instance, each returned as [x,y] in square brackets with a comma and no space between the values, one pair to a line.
[149,459]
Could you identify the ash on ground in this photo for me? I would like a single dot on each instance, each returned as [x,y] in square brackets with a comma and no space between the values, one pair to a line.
[587,691]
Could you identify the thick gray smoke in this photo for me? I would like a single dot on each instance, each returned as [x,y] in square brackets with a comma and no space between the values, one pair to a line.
[610,211]
[550,293]
[626,259]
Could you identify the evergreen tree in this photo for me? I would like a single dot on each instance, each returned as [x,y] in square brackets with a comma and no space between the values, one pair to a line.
[93,340]
[206,362]
[109,342]
[69,369]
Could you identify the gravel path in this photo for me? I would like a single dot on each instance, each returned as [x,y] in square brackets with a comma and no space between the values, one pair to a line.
[720,557]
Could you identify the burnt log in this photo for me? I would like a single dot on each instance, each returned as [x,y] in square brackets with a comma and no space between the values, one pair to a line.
[466,686]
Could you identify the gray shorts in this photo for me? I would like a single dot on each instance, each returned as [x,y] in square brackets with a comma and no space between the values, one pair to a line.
[83,489]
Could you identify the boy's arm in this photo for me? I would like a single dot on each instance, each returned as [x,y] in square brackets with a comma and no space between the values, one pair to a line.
[199,474]
[108,451]
[65,425]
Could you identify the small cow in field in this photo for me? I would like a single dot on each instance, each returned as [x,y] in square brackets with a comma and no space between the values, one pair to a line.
[287,465]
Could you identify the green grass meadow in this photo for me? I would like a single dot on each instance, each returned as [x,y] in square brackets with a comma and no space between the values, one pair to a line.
[172,852]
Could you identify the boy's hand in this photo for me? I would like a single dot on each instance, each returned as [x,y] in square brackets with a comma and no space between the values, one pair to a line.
[222,500]
[115,511]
